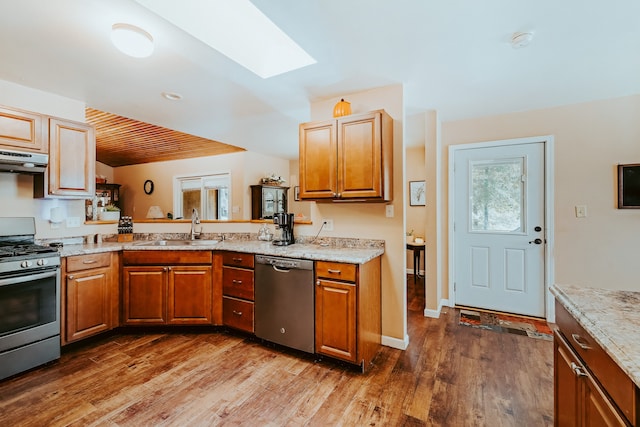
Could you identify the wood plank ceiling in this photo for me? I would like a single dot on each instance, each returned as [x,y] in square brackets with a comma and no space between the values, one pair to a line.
[121,141]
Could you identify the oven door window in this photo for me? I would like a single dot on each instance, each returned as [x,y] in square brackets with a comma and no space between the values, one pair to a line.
[27,304]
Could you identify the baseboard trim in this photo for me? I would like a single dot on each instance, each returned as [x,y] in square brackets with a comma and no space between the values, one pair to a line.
[436,313]
[395,342]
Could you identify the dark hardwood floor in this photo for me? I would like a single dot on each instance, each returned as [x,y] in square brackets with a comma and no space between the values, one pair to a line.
[450,375]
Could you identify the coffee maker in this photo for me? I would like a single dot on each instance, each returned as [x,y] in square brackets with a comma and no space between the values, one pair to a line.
[284,229]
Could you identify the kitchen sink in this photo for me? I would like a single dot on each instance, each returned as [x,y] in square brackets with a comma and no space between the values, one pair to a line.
[178,243]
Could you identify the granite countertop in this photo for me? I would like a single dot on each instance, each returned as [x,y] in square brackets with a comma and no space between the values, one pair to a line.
[611,317]
[299,250]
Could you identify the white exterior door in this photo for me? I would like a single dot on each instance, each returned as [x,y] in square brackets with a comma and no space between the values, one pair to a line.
[499,230]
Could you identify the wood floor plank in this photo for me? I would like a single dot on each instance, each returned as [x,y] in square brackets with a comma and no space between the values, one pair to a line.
[450,375]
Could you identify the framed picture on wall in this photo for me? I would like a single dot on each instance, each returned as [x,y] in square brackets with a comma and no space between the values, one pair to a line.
[629,186]
[417,193]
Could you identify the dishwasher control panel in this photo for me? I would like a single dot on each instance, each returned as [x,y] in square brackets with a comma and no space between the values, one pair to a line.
[280,262]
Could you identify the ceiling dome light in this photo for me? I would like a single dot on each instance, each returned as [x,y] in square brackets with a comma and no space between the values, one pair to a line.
[132,40]
[519,40]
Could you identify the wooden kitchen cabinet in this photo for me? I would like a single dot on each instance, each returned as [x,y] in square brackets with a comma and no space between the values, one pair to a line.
[589,388]
[267,200]
[22,130]
[167,287]
[90,295]
[348,310]
[349,158]
[72,161]
[238,290]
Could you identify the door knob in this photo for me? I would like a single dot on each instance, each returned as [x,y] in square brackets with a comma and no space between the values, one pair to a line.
[536,241]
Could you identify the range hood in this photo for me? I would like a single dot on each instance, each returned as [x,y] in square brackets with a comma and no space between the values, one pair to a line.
[22,161]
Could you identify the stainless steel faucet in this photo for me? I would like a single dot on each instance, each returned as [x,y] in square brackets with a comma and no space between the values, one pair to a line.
[195,219]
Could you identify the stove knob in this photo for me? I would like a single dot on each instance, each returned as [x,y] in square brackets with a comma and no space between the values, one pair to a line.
[26,264]
[42,262]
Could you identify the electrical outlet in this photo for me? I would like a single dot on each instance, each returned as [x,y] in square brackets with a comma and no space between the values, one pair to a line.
[74,221]
[389,211]
[328,224]
[581,211]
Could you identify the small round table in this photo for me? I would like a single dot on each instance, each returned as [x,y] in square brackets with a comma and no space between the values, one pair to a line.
[417,248]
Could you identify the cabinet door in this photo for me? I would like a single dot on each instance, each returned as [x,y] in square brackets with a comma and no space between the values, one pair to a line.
[318,157]
[144,297]
[72,158]
[599,410]
[336,319]
[88,307]
[566,384]
[189,299]
[21,129]
[360,156]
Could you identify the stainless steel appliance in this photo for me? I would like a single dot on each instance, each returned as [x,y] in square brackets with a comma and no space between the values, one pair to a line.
[284,229]
[22,161]
[29,298]
[285,302]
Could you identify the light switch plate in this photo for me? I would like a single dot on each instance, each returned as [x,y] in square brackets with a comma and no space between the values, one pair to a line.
[389,211]
[581,211]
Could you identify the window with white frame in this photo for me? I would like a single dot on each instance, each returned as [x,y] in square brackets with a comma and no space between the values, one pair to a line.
[209,194]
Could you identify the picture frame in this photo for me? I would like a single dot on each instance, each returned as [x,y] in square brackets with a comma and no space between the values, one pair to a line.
[296,193]
[417,193]
[629,186]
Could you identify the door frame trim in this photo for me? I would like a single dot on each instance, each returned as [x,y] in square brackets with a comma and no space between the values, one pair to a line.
[549,268]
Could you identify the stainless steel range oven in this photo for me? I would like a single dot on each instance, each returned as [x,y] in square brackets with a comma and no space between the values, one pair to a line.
[29,298]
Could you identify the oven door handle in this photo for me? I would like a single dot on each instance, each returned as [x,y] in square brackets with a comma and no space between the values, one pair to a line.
[28,278]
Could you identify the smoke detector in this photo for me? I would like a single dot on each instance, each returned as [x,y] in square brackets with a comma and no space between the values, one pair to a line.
[520,40]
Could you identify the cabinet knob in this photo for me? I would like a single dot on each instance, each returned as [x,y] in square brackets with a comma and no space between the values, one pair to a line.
[577,369]
[317,282]
[71,277]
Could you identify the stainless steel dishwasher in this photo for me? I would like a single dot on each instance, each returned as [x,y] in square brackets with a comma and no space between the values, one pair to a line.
[285,302]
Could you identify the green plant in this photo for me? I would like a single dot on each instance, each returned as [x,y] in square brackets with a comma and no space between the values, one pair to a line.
[111,208]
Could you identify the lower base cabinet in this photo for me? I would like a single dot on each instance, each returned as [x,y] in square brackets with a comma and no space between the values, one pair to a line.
[348,310]
[90,295]
[589,388]
[178,293]
[237,290]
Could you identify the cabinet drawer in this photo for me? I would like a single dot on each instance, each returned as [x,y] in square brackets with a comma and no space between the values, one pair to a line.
[166,257]
[237,283]
[237,314]
[237,259]
[86,262]
[615,382]
[336,270]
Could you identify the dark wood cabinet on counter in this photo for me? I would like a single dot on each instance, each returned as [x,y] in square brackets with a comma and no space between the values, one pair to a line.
[167,287]
[238,290]
[348,310]
[267,200]
[590,389]
[90,292]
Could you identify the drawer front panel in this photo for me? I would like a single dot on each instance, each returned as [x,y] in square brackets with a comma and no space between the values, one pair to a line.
[237,259]
[237,283]
[336,270]
[167,257]
[237,314]
[86,262]
[616,383]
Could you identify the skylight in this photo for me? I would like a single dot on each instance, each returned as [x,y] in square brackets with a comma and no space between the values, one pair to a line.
[237,29]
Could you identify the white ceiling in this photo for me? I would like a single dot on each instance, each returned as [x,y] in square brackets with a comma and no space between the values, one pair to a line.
[453,56]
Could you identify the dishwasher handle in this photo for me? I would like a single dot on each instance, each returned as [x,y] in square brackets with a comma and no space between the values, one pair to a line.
[281,269]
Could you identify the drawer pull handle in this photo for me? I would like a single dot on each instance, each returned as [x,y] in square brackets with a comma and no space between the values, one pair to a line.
[237,259]
[89,261]
[236,282]
[578,370]
[329,270]
[577,338]
[237,313]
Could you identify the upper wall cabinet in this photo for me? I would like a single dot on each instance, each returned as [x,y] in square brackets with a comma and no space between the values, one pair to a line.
[72,161]
[348,158]
[22,129]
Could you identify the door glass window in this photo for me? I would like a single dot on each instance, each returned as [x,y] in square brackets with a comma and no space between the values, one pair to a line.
[497,194]
[209,194]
